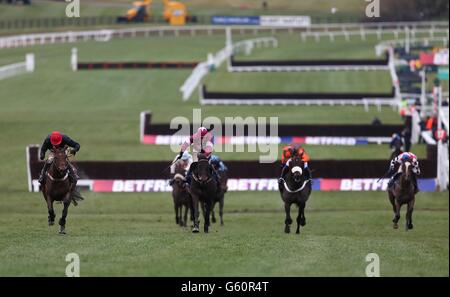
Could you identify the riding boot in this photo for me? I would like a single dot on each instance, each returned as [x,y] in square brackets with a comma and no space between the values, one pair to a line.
[416,186]
[283,173]
[217,179]
[72,175]
[44,172]
[307,173]
[189,177]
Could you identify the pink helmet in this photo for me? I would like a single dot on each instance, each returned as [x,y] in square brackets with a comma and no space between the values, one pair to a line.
[202,131]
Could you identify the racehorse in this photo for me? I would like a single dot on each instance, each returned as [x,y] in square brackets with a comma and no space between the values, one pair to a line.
[402,192]
[220,195]
[203,190]
[181,196]
[58,187]
[296,188]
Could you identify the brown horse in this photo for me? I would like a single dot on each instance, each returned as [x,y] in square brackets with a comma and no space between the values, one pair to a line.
[181,196]
[203,190]
[58,187]
[402,192]
[220,196]
[295,189]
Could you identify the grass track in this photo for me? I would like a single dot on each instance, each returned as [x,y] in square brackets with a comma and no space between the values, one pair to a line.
[135,235]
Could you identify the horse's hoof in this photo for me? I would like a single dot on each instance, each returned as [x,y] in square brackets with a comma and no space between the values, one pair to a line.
[195,230]
[206,230]
[409,227]
[287,229]
[395,226]
[51,223]
[62,232]
[213,220]
[302,223]
[297,232]
[221,224]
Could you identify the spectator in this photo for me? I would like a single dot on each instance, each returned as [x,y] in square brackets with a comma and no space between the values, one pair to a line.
[406,135]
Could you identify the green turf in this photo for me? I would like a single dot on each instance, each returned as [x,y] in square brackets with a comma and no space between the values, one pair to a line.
[301,82]
[136,235]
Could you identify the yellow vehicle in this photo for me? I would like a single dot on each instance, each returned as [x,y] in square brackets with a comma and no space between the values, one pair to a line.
[139,12]
[175,12]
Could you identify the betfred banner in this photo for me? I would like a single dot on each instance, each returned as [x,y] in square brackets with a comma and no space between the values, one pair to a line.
[285,21]
[254,184]
[244,140]
[235,20]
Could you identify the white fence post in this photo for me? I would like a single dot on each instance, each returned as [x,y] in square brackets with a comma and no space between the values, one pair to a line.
[74,59]
[29,59]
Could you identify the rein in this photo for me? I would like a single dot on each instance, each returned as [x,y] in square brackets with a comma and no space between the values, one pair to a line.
[297,190]
[58,179]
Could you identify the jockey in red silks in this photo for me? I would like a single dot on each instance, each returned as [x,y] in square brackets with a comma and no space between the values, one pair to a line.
[202,142]
[397,162]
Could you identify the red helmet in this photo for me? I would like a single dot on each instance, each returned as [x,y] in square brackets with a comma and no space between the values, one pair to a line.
[56,138]
[202,131]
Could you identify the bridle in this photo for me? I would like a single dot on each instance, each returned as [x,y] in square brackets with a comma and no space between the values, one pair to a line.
[197,179]
[294,169]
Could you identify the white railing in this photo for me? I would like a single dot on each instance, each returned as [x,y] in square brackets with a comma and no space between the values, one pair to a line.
[363,33]
[444,118]
[425,41]
[18,68]
[214,62]
[107,34]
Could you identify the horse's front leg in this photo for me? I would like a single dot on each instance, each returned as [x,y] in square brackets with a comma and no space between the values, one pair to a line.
[51,211]
[213,215]
[301,217]
[409,212]
[398,206]
[288,220]
[207,210]
[62,221]
[185,215]
[195,228]
[221,202]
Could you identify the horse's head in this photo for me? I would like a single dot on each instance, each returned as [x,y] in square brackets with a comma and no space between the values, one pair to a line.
[406,170]
[179,180]
[204,170]
[60,159]
[295,167]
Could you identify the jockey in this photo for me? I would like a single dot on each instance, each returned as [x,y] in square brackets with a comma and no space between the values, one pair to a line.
[185,162]
[288,152]
[57,140]
[202,142]
[218,163]
[396,163]
[396,142]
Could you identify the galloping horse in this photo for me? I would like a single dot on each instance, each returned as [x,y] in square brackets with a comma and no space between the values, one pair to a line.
[296,188]
[58,187]
[181,196]
[220,196]
[402,192]
[203,189]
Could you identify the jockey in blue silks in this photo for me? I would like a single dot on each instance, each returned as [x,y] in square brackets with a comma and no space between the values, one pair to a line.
[397,162]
